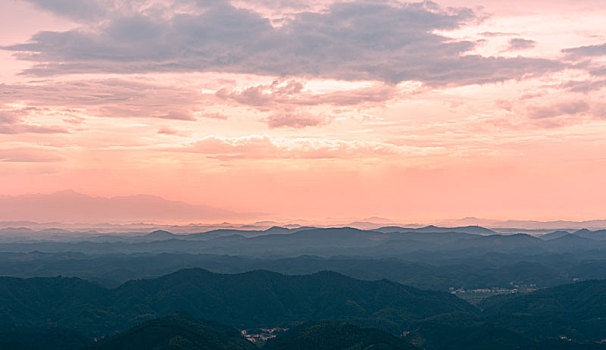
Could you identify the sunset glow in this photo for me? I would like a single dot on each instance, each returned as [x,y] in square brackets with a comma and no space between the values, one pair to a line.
[316,110]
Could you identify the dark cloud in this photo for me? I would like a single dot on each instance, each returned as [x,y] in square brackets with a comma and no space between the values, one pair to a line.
[559,109]
[586,51]
[361,40]
[585,86]
[520,44]
[599,71]
[81,10]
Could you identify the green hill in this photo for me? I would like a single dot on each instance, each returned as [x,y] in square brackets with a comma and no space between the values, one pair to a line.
[42,339]
[576,311]
[253,299]
[176,333]
[336,336]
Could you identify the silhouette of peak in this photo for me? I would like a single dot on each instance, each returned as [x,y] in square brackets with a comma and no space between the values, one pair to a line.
[160,233]
[276,229]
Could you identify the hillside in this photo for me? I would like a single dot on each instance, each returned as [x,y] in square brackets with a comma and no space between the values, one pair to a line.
[576,311]
[176,332]
[253,299]
[333,335]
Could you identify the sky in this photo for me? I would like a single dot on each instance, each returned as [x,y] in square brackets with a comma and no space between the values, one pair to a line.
[315,110]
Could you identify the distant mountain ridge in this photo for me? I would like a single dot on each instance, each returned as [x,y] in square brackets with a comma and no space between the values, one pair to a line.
[70,206]
[283,242]
[527,224]
[479,230]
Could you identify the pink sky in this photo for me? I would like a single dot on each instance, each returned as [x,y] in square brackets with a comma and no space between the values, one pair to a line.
[310,110]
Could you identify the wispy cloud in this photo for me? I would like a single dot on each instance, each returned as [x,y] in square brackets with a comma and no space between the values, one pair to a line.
[264,147]
[11,122]
[110,97]
[29,155]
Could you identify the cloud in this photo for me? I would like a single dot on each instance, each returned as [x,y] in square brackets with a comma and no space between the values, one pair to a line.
[586,51]
[218,116]
[29,155]
[107,98]
[290,98]
[520,44]
[559,109]
[81,10]
[598,71]
[293,120]
[290,93]
[496,34]
[585,86]
[599,110]
[264,147]
[166,130]
[586,57]
[177,116]
[11,122]
[359,40]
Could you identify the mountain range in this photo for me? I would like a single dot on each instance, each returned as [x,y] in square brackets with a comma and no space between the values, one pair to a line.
[319,309]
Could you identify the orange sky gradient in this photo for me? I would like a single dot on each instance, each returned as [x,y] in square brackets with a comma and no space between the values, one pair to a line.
[310,110]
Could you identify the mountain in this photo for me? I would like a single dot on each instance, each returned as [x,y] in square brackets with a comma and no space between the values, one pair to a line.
[53,302]
[334,336]
[160,235]
[74,311]
[262,298]
[70,206]
[475,230]
[456,331]
[325,242]
[176,332]
[576,311]
[42,339]
[484,271]
[554,235]
[253,299]
[528,224]
[460,331]
[598,235]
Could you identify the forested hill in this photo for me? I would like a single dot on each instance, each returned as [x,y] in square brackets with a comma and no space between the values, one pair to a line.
[252,299]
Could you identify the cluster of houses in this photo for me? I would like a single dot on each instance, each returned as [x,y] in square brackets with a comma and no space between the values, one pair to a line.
[262,335]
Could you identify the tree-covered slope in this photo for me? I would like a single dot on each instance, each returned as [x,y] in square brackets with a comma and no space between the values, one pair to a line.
[576,311]
[253,299]
[336,336]
[176,333]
